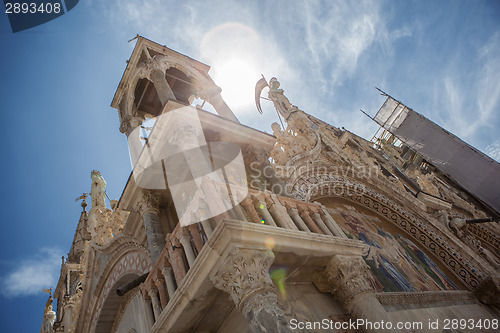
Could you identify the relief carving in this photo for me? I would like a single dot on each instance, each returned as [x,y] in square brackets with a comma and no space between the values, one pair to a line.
[245,276]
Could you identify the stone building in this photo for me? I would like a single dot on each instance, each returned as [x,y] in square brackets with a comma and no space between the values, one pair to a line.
[224,228]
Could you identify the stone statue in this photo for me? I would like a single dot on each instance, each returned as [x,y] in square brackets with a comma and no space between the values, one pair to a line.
[285,147]
[281,102]
[49,317]
[97,191]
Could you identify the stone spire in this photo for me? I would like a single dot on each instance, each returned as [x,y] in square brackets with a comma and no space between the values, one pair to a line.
[82,234]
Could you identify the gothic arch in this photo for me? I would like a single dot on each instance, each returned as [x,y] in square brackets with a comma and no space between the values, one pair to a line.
[129,260]
[314,187]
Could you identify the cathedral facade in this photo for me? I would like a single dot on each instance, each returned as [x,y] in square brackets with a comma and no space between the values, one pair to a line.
[224,228]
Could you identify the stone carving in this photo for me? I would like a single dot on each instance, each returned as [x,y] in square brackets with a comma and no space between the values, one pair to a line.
[148,203]
[49,317]
[488,290]
[245,276]
[128,124]
[459,227]
[285,147]
[281,102]
[349,277]
[146,67]
[109,223]
[299,124]
[103,223]
[98,190]
[299,137]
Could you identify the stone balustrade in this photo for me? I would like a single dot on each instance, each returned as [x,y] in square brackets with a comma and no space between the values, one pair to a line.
[183,245]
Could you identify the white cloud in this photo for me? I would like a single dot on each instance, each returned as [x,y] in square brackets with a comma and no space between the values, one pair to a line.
[473,101]
[31,275]
[493,150]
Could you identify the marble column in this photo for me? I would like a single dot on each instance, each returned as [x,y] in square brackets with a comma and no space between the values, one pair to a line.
[175,258]
[156,303]
[161,291]
[262,207]
[281,217]
[148,207]
[331,224]
[347,278]
[250,209]
[207,228]
[169,280]
[185,240]
[149,309]
[294,213]
[245,276]
[319,222]
[195,234]
[213,96]
[163,90]
[310,223]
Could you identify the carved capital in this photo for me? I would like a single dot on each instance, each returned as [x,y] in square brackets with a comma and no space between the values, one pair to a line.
[243,273]
[146,67]
[245,276]
[488,290]
[149,203]
[128,124]
[345,277]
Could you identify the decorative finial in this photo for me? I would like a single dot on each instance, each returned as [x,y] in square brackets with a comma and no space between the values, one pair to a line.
[83,197]
[48,291]
[96,172]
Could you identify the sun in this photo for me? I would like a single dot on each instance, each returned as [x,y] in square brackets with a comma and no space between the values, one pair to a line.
[237,77]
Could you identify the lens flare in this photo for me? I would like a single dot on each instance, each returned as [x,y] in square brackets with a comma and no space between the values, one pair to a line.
[278,275]
[270,242]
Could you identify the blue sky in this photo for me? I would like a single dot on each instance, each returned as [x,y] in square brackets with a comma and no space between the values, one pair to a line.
[441,58]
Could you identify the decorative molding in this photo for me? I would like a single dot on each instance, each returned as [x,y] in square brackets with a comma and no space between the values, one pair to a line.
[425,297]
[149,203]
[423,233]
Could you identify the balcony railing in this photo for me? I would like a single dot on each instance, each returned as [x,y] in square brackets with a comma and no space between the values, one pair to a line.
[185,243]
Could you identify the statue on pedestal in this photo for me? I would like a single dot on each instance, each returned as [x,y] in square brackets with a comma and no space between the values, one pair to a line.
[49,316]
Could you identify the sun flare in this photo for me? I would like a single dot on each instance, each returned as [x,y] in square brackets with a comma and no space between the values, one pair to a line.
[237,78]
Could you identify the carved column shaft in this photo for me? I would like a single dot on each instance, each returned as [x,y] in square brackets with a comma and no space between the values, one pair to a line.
[221,107]
[207,228]
[239,213]
[169,281]
[156,303]
[280,214]
[161,291]
[294,213]
[332,225]
[195,233]
[175,259]
[245,276]
[250,209]
[148,207]
[347,278]
[262,207]
[310,223]
[149,310]
[163,90]
[188,249]
[319,222]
